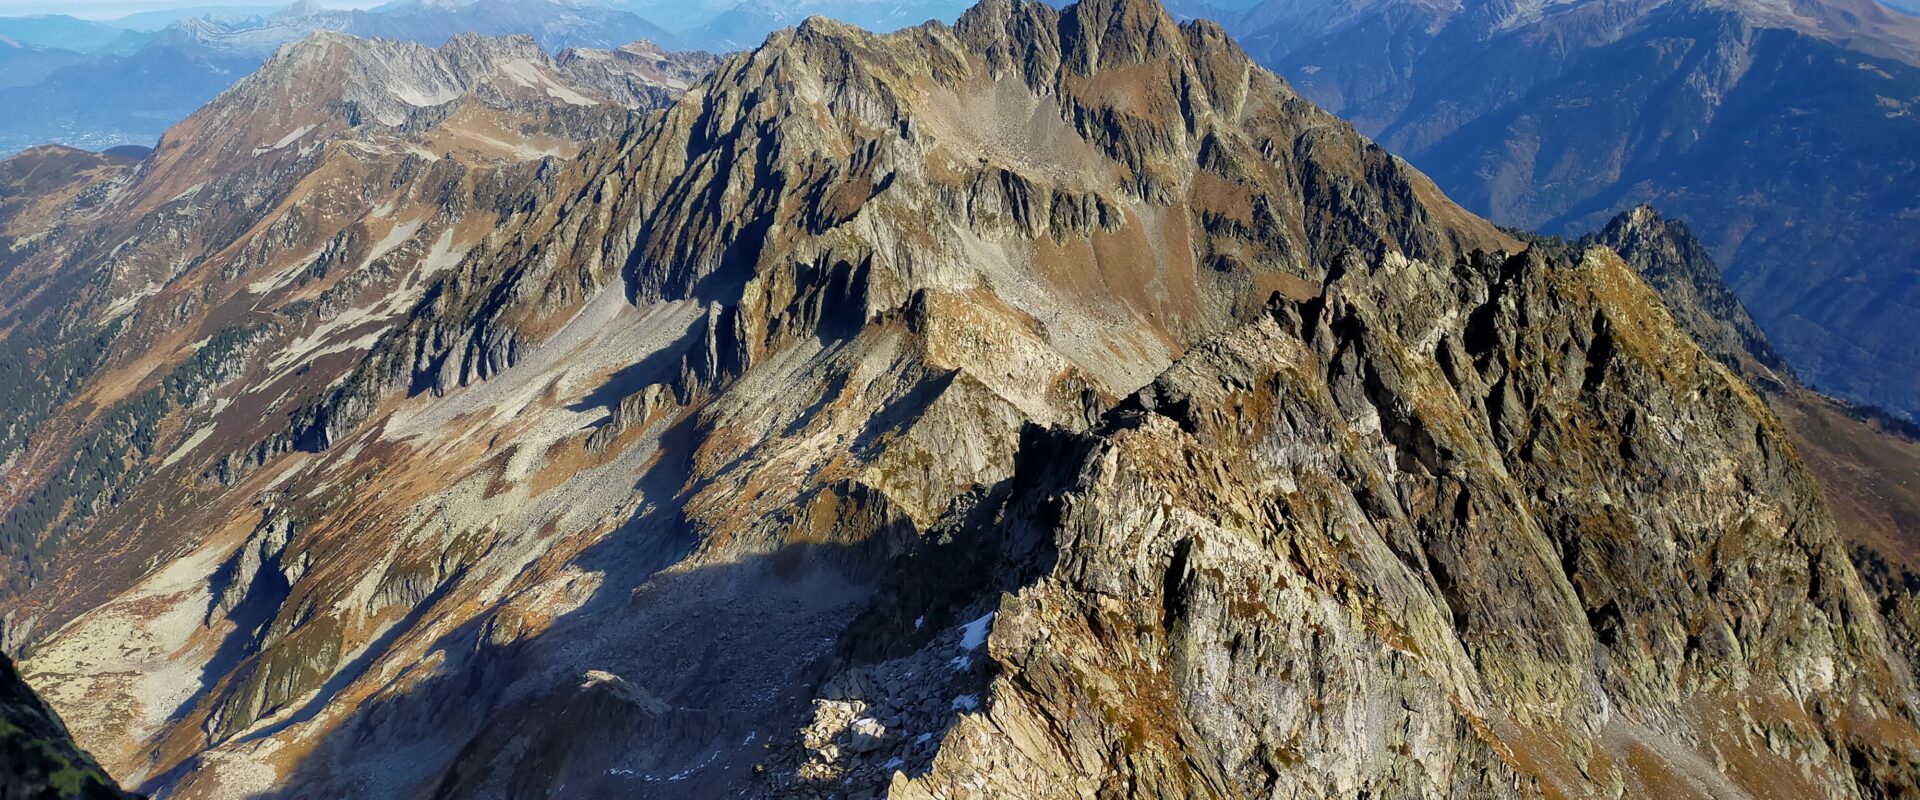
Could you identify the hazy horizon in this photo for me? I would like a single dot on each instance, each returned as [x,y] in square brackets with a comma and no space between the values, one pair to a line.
[115,9]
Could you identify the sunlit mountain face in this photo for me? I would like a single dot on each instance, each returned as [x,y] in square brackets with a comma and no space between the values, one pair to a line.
[506,399]
[1783,134]
[95,84]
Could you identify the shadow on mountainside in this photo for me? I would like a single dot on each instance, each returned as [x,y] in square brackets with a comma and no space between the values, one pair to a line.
[684,676]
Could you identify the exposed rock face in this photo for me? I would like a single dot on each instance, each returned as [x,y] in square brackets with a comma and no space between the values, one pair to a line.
[267,233]
[792,440]
[1776,131]
[37,757]
[1299,569]
[1868,463]
[1677,266]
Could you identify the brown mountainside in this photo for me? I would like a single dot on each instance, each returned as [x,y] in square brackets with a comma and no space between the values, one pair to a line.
[1050,404]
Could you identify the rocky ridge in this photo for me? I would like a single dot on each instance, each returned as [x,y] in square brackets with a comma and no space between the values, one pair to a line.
[1868,463]
[312,201]
[793,440]
[1776,131]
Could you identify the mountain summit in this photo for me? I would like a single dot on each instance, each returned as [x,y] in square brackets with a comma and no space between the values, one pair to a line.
[1780,132]
[1052,404]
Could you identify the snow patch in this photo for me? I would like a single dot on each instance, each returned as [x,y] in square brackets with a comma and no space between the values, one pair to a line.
[284,141]
[281,277]
[191,191]
[528,75]
[188,445]
[974,634]
[423,98]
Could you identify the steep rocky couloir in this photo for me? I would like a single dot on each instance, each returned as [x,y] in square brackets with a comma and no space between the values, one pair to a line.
[792,440]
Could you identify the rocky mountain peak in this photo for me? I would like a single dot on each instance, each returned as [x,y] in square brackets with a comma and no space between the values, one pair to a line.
[1668,256]
[1050,405]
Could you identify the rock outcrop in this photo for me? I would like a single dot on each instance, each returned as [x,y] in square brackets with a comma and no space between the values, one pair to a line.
[1668,257]
[1409,538]
[1049,404]
[1868,461]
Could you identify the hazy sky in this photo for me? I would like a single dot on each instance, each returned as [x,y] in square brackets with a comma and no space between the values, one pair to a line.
[107,9]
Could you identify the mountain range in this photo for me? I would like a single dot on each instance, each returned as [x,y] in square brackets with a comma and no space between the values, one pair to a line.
[1782,133]
[143,84]
[1054,403]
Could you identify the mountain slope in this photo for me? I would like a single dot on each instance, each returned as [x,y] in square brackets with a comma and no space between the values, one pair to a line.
[1445,595]
[753,231]
[136,94]
[1868,464]
[1050,404]
[267,216]
[1780,134]
[37,758]
[26,64]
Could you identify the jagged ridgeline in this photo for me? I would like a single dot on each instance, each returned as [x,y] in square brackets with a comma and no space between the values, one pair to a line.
[1049,405]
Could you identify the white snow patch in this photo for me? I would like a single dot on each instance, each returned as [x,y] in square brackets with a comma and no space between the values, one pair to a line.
[568,96]
[974,634]
[423,98]
[529,75]
[126,304]
[191,190]
[288,139]
[967,702]
[188,445]
[282,276]
[315,344]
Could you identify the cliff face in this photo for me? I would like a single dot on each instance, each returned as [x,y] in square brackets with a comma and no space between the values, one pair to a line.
[792,439]
[37,757]
[1868,463]
[1494,530]
[1674,263]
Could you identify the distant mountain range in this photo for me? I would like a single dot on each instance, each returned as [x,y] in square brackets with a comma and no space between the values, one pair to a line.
[1784,133]
[61,32]
[747,24]
[94,86]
